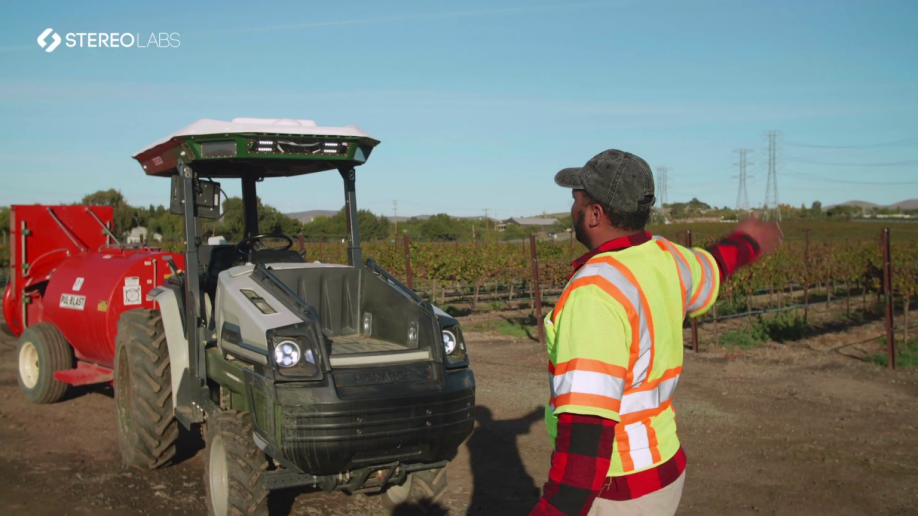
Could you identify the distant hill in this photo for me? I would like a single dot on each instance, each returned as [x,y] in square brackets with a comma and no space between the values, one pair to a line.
[403,219]
[911,204]
[307,216]
[859,204]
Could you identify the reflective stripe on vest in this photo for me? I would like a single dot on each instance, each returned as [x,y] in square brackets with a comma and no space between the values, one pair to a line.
[639,403]
[637,440]
[694,301]
[583,381]
[685,274]
[706,290]
[616,280]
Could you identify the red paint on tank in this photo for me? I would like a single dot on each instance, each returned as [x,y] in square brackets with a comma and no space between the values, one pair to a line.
[88,292]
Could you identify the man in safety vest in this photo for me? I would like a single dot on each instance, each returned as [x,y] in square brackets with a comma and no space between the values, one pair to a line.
[615,343]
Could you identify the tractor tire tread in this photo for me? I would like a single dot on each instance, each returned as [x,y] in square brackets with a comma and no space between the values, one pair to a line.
[428,486]
[432,483]
[149,440]
[246,464]
[55,354]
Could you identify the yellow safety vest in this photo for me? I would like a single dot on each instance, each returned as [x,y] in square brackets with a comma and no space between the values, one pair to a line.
[615,344]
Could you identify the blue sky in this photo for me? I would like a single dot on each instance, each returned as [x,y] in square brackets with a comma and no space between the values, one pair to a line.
[478,103]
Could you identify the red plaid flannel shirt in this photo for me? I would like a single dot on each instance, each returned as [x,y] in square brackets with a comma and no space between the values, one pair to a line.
[583,445]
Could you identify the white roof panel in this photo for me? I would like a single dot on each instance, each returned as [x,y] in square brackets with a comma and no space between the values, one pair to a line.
[260,125]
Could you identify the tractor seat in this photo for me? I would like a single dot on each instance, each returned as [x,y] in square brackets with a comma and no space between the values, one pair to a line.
[277,256]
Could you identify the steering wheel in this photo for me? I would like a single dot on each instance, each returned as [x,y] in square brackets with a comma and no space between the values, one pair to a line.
[249,245]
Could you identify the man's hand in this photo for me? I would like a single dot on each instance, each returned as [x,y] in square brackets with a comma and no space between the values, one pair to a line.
[767,234]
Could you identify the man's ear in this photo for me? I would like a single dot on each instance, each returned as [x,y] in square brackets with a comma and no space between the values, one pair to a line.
[596,215]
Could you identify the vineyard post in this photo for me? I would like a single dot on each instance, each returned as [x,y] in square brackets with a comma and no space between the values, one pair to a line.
[887,292]
[407,260]
[536,291]
[806,275]
[716,335]
[302,244]
[847,287]
[688,243]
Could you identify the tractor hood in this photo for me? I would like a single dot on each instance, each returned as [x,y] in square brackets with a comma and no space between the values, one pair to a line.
[264,147]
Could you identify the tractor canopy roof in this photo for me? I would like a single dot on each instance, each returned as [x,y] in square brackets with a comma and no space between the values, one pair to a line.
[263,147]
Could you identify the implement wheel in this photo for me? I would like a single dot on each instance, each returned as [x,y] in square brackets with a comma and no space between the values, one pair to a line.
[429,485]
[42,351]
[147,429]
[233,467]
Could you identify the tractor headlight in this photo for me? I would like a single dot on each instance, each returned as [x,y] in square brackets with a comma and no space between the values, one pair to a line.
[454,347]
[287,353]
[449,342]
[294,358]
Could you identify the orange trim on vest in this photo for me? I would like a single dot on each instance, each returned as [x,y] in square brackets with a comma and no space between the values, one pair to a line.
[652,442]
[650,385]
[636,417]
[617,294]
[587,364]
[588,400]
[700,282]
[666,246]
[647,315]
[624,448]
[713,282]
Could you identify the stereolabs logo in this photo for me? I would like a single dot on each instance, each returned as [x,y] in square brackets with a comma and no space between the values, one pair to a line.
[42,43]
[109,40]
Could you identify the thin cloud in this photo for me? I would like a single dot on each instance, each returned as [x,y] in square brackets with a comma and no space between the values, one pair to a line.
[12,49]
[412,17]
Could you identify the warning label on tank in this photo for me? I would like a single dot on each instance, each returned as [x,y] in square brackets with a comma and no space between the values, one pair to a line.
[77,285]
[73,302]
[132,295]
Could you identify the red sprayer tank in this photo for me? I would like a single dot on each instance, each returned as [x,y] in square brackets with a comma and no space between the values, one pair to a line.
[65,271]
[89,291]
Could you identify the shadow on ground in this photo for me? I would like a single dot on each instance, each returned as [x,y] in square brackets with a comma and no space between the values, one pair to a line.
[501,485]
[421,508]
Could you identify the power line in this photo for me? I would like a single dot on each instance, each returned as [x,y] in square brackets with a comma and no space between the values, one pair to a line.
[835,164]
[742,196]
[772,204]
[888,144]
[843,181]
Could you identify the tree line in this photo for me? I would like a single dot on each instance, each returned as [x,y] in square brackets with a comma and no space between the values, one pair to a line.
[231,225]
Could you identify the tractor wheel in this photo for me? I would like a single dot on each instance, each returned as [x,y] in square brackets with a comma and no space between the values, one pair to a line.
[147,428]
[428,485]
[42,352]
[233,467]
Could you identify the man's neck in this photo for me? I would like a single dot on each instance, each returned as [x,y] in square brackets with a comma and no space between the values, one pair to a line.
[610,234]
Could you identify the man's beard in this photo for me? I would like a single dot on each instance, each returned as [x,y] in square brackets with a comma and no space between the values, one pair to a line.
[580,228]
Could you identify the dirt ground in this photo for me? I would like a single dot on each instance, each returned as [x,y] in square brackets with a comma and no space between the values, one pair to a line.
[778,429]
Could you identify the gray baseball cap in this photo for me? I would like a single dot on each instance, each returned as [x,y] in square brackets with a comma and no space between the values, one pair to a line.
[618,180]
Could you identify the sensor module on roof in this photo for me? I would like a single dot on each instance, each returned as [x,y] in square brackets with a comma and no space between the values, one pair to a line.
[297,146]
[265,147]
[225,149]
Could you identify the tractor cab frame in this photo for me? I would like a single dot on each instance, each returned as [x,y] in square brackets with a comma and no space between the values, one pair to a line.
[338,377]
[250,150]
